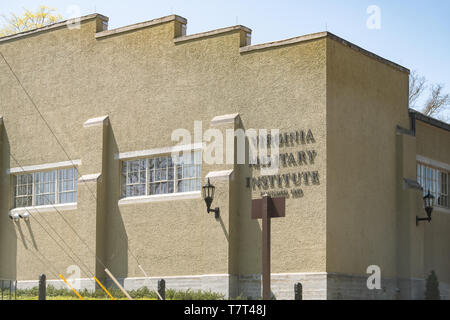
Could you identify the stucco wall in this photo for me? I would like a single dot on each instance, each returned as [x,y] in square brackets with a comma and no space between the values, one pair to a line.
[141,80]
[366,100]
[149,84]
[432,143]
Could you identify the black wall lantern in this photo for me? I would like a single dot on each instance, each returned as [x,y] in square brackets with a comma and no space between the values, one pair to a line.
[208,196]
[428,202]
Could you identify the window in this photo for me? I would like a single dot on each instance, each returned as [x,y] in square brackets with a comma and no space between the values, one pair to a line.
[435,180]
[23,190]
[161,175]
[45,188]
[248,39]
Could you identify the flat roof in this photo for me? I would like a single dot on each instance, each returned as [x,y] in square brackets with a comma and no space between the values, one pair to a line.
[429,120]
[52,26]
[200,35]
[140,25]
[320,35]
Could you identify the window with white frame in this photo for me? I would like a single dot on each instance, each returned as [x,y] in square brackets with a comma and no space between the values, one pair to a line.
[45,188]
[161,175]
[436,181]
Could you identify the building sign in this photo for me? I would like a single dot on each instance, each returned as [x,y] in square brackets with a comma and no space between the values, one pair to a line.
[295,167]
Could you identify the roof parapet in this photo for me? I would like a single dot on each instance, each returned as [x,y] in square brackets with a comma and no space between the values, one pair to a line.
[243,49]
[140,25]
[319,35]
[53,26]
[416,115]
[212,33]
[284,42]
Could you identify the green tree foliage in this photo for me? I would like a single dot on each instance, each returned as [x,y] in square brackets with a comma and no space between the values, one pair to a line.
[29,20]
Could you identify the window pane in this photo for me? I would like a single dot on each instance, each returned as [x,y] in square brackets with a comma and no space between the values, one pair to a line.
[67,185]
[133,178]
[45,187]
[161,176]
[189,172]
[23,190]
[436,181]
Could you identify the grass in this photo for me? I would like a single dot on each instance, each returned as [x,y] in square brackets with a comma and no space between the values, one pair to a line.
[140,294]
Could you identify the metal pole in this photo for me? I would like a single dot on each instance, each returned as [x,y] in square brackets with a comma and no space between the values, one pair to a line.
[148,278]
[42,287]
[162,289]
[118,284]
[73,289]
[266,248]
[298,289]
[104,289]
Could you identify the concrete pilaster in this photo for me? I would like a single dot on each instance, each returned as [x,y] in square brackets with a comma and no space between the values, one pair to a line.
[92,185]
[8,241]
[221,236]
[410,238]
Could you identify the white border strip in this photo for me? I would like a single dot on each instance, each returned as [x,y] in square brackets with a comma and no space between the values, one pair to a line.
[46,166]
[90,177]
[225,174]
[161,197]
[432,162]
[103,120]
[226,275]
[152,152]
[441,210]
[46,208]
[226,118]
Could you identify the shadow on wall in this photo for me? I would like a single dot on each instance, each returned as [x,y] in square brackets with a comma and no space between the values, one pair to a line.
[116,238]
[250,235]
[8,234]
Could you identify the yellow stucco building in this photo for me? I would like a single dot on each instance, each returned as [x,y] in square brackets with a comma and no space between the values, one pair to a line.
[88,177]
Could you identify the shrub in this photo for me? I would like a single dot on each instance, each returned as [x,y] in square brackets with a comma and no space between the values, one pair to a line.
[141,293]
[193,295]
[432,287]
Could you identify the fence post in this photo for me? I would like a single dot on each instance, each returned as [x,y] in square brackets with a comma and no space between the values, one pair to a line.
[42,287]
[298,289]
[162,289]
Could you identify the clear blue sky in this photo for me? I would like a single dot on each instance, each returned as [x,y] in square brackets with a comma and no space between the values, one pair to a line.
[415,34]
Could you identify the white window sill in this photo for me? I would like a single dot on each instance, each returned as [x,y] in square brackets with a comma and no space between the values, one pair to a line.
[442,210]
[46,208]
[161,197]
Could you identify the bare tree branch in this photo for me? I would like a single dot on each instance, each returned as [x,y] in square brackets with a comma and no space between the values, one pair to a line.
[416,87]
[437,101]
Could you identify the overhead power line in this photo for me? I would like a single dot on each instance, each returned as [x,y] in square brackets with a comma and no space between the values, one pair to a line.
[73,164]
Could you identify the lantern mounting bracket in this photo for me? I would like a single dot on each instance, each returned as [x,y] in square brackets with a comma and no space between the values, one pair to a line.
[216,212]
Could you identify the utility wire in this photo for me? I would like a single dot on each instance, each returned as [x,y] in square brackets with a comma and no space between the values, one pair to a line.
[37,210]
[46,264]
[62,147]
[67,155]
[62,248]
